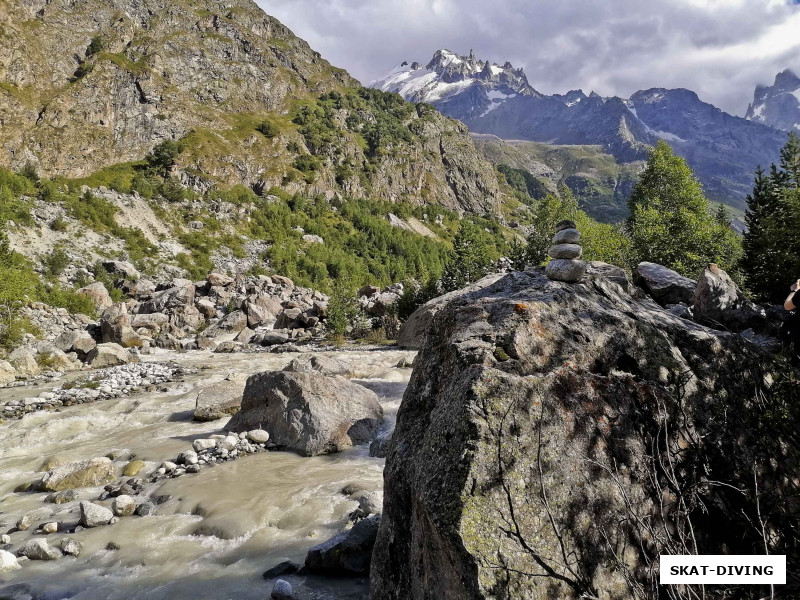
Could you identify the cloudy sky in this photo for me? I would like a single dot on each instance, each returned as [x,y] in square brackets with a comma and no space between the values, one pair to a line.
[719,48]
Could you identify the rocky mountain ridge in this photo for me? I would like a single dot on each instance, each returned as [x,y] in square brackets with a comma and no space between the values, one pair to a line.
[777,105]
[724,150]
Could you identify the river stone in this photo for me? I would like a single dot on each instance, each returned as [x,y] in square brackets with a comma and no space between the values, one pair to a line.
[380,445]
[567,236]
[8,373]
[51,527]
[308,412]
[347,553]
[258,436]
[286,567]
[565,251]
[5,539]
[220,400]
[565,224]
[8,562]
[598,376]
[133,468]
[204,444]
[123,505]
[618,275]
[94,515]
[62,497]
[71,547]
[664,285]
[145,508]
[312,363]
[39,549]
[24,522]
[282,590]
[568,271]
[78,474]
[24,362]
[108,355]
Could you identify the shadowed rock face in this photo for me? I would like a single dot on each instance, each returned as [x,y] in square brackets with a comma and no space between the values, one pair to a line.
[556,438]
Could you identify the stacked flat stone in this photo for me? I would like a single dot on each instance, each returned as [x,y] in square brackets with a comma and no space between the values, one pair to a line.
[565,253]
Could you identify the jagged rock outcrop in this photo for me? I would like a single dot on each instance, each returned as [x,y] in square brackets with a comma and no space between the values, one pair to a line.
[556,438]
[777,105]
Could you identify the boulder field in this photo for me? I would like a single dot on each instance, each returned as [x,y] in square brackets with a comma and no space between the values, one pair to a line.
[556,438]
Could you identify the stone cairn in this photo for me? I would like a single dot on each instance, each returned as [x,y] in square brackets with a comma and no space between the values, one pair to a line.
[566,252]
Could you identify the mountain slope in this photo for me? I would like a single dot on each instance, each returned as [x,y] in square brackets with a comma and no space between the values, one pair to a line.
[777,105]
[723,150]
[87,84]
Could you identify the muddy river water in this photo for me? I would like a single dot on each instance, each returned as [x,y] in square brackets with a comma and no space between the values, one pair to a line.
[263,508]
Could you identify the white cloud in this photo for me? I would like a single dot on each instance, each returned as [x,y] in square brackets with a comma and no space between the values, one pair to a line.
[719,48]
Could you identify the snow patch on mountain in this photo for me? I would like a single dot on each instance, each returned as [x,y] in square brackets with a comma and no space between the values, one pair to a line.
[496,98]
[669,137]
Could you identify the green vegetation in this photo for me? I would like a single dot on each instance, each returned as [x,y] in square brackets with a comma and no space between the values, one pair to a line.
[268,129]
[771,261]
[95,46]
[16,192]
[359,242]
[599,183]
[600,241]
[671,223]
[342,307]
[162,157]
[470,259]
[523,183]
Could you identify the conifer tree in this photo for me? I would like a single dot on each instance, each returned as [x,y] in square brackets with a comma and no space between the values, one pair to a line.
[771,260]
[470,259]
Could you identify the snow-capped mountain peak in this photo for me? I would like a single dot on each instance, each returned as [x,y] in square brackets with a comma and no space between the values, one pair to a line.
[448,74]
[777,105]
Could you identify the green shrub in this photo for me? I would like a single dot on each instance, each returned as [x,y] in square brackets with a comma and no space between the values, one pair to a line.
[55,262]
[82,71]
[59,224]
[268,129]
[162,158]
[66,298]
[172,190]
[95,46]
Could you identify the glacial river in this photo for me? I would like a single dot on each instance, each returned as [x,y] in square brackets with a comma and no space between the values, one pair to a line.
[264,508]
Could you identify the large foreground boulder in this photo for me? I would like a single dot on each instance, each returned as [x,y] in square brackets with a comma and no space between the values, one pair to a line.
[220,400]
[556,438]
[308,412]
[78,474]
[664,285]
